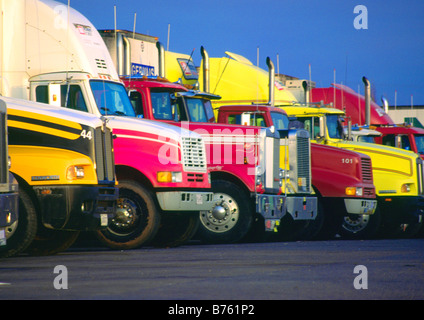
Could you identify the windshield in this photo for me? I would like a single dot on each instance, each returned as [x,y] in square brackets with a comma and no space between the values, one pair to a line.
[162,107]
[310,124]
[199,110]
[334,127]
[280,121]
[111,98]
[419,141]
[369,139]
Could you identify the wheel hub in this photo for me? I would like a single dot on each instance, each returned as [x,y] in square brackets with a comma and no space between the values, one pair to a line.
[355,223]
[223,216]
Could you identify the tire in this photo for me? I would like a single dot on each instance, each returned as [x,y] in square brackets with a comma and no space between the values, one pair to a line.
[176,229]
[402,231]
[231,218]
[356,226]
[50,242]
[22,233]
[137,220]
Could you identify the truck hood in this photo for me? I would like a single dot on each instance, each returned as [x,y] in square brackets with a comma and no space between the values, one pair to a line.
[160,129]
[53,111]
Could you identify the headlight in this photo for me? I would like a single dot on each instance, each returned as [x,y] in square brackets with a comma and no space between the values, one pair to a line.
[354,191]
[75,172]
[168,176]
[405,188]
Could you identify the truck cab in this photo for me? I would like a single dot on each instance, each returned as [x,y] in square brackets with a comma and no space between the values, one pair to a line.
[397,173]
[401,136]
[343,179]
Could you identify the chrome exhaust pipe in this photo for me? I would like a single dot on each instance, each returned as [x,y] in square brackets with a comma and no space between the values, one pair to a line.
[367,101]
[385,104]
[205,60]
[161,56]
[271,82]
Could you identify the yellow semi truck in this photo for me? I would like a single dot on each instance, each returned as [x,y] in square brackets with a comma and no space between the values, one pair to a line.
[64,163]
[398,174]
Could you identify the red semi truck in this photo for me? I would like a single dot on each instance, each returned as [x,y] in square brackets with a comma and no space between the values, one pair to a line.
[342,178]
[248,182]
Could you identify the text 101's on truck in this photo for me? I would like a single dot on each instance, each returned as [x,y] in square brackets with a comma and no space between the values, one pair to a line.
[160,168]
[8,186]
[248,181]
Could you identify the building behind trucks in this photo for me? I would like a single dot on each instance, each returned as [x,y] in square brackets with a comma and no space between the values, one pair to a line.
[9,195]
[363,111]
[342,178]
[162,171]
[248,180]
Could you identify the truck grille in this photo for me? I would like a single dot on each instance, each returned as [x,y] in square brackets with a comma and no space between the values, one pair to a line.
[303,162]
[193,154]
[3,149]
[104,155]
[420,176]
[366,170]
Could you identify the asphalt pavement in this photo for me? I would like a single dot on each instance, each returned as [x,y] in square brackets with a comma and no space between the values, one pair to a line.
[314,270]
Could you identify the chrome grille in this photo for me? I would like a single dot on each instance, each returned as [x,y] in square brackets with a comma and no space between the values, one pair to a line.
[3,149]
[193,154]
[105,164]
[303,163]
[366,170]
[420,176]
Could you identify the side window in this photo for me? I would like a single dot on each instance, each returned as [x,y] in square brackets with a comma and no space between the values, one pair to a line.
[161,105]
[389,140]
[234,119]
[405,142]
[137,103]
[42,94]
[71,96]
[75,98]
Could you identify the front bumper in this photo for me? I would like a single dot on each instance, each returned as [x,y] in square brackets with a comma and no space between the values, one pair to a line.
[302,208]
[274,207]
[8,208]
[76,208]
[185,200]
[360,206]
[401,209]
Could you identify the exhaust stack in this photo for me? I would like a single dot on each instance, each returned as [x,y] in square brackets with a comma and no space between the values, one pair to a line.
[271,81]
[367,101]
[161,55]
[205,58]
[385,104]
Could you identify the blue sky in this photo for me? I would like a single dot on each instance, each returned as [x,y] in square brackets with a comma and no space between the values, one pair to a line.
[390,53]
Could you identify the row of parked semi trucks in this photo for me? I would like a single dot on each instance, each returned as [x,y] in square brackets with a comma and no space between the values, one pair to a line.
[141,160]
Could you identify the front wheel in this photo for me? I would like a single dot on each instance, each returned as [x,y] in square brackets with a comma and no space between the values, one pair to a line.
[137,218]
[21,233]
[50,242]
[361,226]
[176,229]
[231,217]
